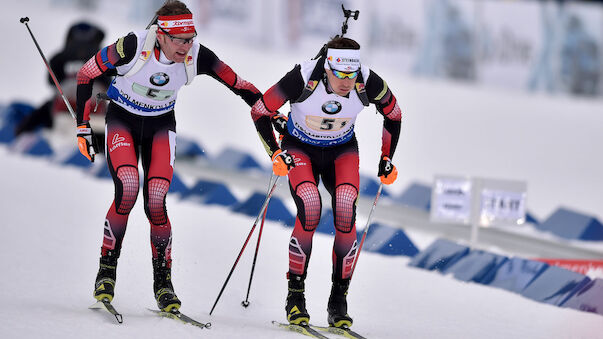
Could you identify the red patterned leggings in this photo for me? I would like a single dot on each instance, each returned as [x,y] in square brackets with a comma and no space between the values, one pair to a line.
[337,166]
[153,140]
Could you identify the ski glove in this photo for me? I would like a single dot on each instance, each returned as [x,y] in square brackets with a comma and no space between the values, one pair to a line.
[387,171]
[279,122]
[282,163]
[86,141]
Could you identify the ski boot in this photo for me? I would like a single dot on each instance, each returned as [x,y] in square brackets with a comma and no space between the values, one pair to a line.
[338,306]
[167,301]
[104,286]
[296,302]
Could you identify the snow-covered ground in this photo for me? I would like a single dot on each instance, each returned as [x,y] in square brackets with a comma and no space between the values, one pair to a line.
[52,215]
[52,231]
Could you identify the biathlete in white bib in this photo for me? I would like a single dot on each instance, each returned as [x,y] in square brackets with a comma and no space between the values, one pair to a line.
[149,67]
[326,95]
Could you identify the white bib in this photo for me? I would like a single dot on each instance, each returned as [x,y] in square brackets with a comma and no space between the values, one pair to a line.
[153,89]
[323,119]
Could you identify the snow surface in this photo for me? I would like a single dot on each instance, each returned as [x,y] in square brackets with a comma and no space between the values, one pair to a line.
[52,226]
[52,215]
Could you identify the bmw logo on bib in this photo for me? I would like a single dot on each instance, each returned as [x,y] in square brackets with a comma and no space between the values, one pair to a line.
[159,79]
[331,107]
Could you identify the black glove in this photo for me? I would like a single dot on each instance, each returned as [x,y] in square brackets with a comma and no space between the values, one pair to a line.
[86,141]
[387,171]
[279,122]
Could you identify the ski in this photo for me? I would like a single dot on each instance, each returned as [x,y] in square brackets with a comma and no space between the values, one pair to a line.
[302,329]
[342,331]
[177,315]
[105,304]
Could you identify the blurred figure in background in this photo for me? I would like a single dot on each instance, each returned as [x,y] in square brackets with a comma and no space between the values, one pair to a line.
[83,40]
[326,96]
[580,59]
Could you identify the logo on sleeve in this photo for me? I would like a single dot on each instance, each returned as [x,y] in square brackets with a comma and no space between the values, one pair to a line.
[159,79]
[331,107]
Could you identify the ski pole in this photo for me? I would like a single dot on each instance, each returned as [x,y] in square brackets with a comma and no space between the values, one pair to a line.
[245,303]
[25,20]
[368,224]
[264,206]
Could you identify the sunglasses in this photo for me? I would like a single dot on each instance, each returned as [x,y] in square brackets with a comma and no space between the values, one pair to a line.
[179,41]
[343,75]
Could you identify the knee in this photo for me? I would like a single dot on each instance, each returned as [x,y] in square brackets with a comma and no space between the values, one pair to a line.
[155,206]
[345,207]
[127,189]
[309,205]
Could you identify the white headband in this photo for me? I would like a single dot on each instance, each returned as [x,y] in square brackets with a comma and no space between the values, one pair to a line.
[344,60]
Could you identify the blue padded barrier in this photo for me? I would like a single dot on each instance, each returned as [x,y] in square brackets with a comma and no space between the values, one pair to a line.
[209,192]
[100,168]
[416,195]
[389,241]
[177,185]
[327,222]
[7,133]
[573,225]
[75,158]
[439,255]
[369,186]
[515,274]
[32,144]
[476,265]
[555,285]
[234,159]
[188,148]
[589,298]
[530,219]
[277,211]
[11,116]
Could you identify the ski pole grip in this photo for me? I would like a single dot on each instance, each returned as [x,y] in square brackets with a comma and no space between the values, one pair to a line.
[24,20]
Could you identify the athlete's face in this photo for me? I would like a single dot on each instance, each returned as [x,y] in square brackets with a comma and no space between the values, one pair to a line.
[175,47]
[340,86]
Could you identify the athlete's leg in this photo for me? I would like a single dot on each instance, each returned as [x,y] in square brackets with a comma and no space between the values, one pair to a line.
[122,159]
[302,183]
[343,182]
[304,189]
[158,154]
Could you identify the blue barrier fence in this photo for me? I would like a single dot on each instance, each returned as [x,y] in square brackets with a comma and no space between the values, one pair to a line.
[532,279]
[573,225]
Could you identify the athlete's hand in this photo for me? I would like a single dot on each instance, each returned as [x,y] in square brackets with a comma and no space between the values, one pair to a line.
[279,121]
[387,171]
[282,163]
[86,141]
